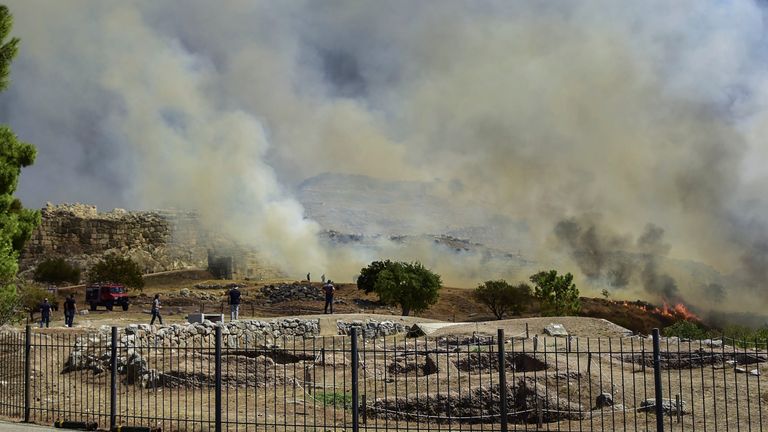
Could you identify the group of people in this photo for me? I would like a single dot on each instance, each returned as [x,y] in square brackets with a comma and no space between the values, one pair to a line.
[70,310]
[234,295]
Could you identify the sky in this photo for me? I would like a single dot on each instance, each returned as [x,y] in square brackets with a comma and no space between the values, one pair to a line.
[605,126]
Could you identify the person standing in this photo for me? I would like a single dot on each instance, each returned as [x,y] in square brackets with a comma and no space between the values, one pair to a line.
[329,291]
[234,303]
[308,278]
[45,313]
[156,310]
[322,278]
[70,309]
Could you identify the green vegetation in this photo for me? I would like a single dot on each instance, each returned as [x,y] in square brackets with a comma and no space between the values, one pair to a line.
[367,279]
[557,294]
[410,285]
[336,399]
[56,271]
[117,269]
[16,222]
[738,335]
[31,296]
[502,298]
[686,330]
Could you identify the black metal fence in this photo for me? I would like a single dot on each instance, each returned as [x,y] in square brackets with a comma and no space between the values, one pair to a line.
[240,381]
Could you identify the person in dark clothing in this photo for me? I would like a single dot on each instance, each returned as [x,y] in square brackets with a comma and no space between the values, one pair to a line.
[45,312]
[329,290]
[234,303]
[70,309]
[156,310]
[308,279]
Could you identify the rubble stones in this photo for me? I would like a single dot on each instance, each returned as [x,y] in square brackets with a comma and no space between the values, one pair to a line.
[556,330]
[371,328]
[295,291]
[603,400]
[668,406]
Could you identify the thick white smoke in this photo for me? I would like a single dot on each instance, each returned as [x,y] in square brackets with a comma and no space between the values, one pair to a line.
[607,129]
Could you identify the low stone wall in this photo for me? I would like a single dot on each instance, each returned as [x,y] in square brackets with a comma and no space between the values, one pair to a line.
[372,328]
[295,291]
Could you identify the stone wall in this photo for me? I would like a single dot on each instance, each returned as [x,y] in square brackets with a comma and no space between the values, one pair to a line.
[158,241]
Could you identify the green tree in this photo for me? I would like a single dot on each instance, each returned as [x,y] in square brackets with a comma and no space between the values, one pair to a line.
[31,297]
[410,285]
[686,330]
[556,293]
[367,279]
[502,298]
[16,222]
[56,271]
[117,269]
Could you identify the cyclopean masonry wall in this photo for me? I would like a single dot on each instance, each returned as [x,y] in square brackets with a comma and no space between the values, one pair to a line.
[159,240]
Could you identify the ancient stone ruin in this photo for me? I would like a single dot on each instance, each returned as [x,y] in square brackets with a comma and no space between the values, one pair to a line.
[159,240]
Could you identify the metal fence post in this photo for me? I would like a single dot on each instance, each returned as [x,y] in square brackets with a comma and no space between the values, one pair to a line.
[113,381]
[657,382]
[218,378]
[355,390]
[503,409]
[27,372]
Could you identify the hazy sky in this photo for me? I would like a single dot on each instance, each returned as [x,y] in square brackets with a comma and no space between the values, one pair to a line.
[602,124]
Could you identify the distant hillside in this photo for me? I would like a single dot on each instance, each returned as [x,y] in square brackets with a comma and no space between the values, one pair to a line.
[364,205]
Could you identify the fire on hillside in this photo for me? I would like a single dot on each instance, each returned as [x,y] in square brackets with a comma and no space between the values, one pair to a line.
[677,312]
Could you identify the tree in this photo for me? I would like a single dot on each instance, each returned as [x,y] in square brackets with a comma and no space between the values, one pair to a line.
[410,285]
[31,297]
[368,275]
[117,269]
[16,222]
[56,271]
[501,297]
[556,293]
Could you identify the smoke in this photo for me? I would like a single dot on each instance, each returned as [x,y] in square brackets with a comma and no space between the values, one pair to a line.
[585,122]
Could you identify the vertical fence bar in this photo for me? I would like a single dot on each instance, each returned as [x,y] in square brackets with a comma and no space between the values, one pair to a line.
[502,381]
[113,381]
[217,373]
[657,382]
[27,372]
[355,406]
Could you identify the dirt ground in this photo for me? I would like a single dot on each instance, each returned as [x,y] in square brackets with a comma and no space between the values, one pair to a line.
[454,305]
[302,383]
[448,374]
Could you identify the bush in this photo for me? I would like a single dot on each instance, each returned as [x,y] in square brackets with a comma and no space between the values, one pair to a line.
[117,269]
[409,285]
[556,293]
[502,298]
[10,304]
[367,279]
[31,297]
[686,330]
[746,337]
[56,271]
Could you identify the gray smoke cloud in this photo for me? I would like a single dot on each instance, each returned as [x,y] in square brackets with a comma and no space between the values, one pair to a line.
[586,120]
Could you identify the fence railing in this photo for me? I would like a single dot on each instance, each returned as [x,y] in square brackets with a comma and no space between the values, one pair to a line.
[224,378]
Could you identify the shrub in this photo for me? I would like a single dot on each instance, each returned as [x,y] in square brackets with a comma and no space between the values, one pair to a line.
[409,285]
[56,271]
[556,293]
[502,298]
[367,279]
[117,269]
[686,330]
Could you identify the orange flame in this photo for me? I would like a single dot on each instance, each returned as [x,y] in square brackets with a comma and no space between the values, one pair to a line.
[678,311]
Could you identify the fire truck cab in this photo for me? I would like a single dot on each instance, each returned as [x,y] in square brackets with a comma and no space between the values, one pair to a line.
[106,294]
